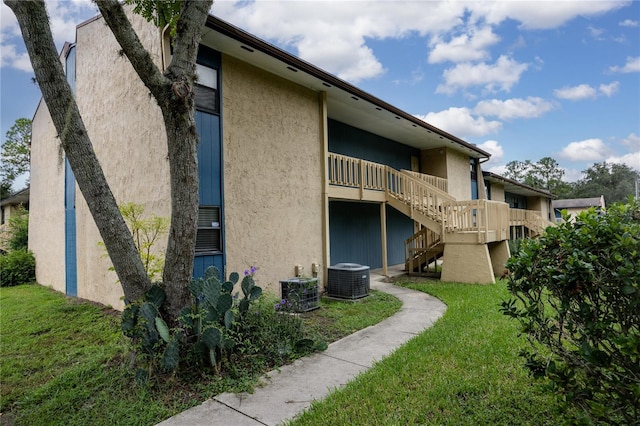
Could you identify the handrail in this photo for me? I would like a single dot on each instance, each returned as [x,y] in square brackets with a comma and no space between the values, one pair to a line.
[531,219]
[438,182]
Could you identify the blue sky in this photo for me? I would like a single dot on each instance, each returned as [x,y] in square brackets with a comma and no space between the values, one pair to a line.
[522,79]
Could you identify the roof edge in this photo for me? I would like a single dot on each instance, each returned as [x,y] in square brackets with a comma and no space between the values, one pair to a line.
[252,41]
[515,182]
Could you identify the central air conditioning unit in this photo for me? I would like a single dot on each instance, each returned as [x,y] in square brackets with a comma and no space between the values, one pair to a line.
[348,281]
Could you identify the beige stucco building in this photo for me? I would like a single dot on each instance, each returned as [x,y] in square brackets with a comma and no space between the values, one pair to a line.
[299,170]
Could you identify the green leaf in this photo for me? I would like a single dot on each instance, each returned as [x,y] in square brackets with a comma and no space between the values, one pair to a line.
[212,357]
[211,337]
[212,290]
[171,355]
[255,293]
[129,319]
[224,303]
[227,287]
[195,287]
[228,319]
[212,272]
[148,312]
[243,306]
[155,295]
[247,285]
[162,328]
[234,277]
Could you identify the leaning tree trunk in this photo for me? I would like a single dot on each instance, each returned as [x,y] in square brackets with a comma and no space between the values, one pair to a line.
[173,92]
[36,32]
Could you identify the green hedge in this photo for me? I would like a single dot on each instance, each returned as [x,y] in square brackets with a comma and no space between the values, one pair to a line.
[17,267]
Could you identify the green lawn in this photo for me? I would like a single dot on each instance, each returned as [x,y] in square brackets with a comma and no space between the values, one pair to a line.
[66,362]
[465,370]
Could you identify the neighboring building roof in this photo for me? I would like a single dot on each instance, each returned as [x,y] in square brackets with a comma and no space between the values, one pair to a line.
[345,102]
[20,197]
[515,187]
[579,203]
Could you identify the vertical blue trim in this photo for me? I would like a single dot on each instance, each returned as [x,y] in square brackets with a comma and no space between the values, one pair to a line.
[210,164]
[70,250]
[70,243]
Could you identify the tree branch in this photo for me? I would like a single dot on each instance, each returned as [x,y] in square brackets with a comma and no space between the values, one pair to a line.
[188,35]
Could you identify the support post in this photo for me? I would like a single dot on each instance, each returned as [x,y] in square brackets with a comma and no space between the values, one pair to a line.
[383,231]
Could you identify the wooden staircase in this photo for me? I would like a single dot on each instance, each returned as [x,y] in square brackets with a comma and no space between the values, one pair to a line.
[443,220]
[421,250]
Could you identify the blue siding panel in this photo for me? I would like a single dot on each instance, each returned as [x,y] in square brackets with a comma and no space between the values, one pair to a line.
[209,152]
[399,228]
[355,235]
[70,258]
[347,140]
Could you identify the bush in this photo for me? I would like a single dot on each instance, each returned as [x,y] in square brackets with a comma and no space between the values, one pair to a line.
[577,298]
[18,230]
[17,267]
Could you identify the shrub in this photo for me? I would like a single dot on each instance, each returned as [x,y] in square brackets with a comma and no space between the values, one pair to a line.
[18,230]
[17,267]
[218,332]
[577,298]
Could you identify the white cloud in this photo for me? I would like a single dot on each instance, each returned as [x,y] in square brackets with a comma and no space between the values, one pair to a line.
[460,122]
[576,93]
[596,32]
[64,16]
[609,89]
[499,169]
[586,150]
[572,175]
[631,159]
[530,107]
[632,141]
[533,15]
[499,76]
[493,148]
[333,35]
[471,46]
[11,58]
[632,65]
[629,23]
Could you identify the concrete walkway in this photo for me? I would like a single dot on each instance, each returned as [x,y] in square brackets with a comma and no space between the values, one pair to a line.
[291,389]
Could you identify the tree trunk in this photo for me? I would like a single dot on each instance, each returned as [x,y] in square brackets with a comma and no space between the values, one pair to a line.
[173,91]
[36,32]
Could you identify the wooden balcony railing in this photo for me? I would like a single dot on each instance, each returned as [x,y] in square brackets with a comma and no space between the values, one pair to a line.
[531,219]
[489,219]
[414,194]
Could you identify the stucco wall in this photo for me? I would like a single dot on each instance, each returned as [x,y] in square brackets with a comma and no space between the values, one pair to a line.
[125,126]
[46,201]
[458,175]
[497,192]
[434,162]
[539,203]
[272,173]
[451,165]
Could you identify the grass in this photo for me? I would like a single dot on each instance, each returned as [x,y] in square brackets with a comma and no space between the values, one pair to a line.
[465,370]
[65,361]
